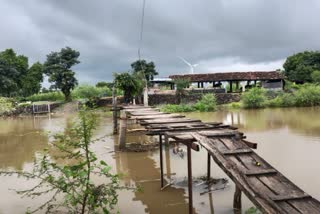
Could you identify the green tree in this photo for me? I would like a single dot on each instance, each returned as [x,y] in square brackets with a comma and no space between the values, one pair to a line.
[181,84]
[316,76]
[31,82]
[148,69]
[13,68]
[58,68]
[299,67]
[131,83]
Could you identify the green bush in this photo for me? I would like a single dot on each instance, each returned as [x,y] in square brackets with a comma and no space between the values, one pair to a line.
[90,92]
[50,96]
[171,108]
[6,105]
[282,100]
[309,95]
[254,98]
[207,103]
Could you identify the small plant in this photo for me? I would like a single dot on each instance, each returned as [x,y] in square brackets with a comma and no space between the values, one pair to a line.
[74,180]
[253,210]
[207,103]
[181,84]
[254,98]
[6,105]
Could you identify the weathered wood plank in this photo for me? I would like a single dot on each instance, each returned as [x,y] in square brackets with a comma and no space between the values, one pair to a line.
[237,151]
[261,172]
[160,116]
[290,197]
[169,120]
[236,175]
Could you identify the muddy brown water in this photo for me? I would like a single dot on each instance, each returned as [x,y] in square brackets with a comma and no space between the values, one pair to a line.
[288,138]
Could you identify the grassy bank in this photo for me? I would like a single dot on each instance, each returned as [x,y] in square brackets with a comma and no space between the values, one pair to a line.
[206,104]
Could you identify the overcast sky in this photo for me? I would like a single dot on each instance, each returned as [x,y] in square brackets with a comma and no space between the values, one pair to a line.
[220,35]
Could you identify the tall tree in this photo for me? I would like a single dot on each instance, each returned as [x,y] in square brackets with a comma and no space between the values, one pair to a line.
[299,67]
[13,68]
[148,69]
[58,68]
[31,82]
[131,83]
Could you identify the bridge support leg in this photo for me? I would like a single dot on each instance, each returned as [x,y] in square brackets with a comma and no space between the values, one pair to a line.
[190,180]
[161,160]
[237,200]
[209,167]
[122,135]
[114,111]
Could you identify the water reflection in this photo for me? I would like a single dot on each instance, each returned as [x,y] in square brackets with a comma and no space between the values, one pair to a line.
[304,121]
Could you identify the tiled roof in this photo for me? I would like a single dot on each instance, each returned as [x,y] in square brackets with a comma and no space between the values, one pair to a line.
[226,76]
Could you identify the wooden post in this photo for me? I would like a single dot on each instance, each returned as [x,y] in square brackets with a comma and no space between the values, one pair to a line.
[198,84]
[230,86]
[190,179]
[168,168]
[209,167]
[114,111]
[237,86]
[145,96]
[161,161]
[123,132]
[237,200]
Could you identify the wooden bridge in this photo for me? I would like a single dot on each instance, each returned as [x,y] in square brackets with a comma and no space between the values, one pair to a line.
[266,187]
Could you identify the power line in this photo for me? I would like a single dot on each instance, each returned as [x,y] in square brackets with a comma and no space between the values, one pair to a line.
[141,29]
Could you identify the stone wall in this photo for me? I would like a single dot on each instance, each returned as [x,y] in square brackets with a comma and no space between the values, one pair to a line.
[222,98]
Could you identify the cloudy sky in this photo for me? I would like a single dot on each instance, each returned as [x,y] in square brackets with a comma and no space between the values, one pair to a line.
[220,35]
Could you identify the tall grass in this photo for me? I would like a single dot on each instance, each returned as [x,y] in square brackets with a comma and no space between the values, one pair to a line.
[50,96]
[90,92]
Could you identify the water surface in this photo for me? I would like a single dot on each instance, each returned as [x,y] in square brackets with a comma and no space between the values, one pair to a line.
[287,138]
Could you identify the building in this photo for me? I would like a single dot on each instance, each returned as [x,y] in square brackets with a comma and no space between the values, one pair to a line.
[236,81]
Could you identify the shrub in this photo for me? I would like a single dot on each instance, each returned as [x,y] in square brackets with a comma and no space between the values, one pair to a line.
[90,92]
[315,75]
[50,96]
[254,98]
[172,108]
[309,95]
[6,105]
[207,103]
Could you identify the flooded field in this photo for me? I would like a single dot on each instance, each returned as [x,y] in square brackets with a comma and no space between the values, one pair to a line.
[289,139]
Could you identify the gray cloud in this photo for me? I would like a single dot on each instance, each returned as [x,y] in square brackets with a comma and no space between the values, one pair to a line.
[219,34]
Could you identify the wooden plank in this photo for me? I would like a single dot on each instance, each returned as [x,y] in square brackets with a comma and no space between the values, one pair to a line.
[170,120]
[261,172]
[290,197]
[160,116]
[219,133]
[237,151]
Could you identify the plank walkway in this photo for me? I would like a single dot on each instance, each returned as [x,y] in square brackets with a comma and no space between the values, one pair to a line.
[266,187]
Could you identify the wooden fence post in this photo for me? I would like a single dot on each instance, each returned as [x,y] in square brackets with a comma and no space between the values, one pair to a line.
[114,111]
[237,200]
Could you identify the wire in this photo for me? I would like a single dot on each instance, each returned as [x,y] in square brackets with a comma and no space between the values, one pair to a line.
[141,29]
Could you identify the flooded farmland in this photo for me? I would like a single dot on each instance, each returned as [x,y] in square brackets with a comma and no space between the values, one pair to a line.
[288,138]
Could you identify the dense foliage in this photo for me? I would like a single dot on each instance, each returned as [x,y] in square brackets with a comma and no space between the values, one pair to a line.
[305,95]
[206,104]
[316,76]
[254,98]
[73,180]
[58,68]
[6,105]
[16,78]
[49,96]
[90,92]
[299,67]
[131,84]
